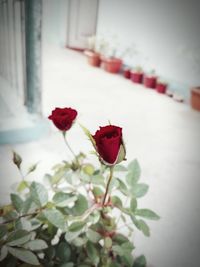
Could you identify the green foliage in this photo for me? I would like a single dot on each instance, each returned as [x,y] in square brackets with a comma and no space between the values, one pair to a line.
[65,223]
[55,217]
[140,262]
[93,253]
[146,213]
[24,255]
[39,194]
[62,199]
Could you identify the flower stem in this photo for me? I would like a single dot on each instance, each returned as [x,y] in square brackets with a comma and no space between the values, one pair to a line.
[69,147]
[107,186]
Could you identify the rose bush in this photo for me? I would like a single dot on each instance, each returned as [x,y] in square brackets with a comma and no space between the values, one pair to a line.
[84,215]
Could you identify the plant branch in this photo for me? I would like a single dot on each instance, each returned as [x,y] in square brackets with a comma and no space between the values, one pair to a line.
[21,216]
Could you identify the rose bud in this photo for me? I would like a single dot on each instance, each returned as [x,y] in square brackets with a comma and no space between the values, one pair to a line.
[63,118]
[17,160]
[109,144]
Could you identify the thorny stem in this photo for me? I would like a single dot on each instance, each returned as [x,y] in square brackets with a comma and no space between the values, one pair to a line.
[107,186]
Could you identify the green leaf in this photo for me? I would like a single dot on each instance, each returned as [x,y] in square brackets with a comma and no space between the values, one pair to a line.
[29,205]
[39,194]
[3,231]
[87,132]
[117,249]
[62,199]
[133,204]
[76,226]
[108,242]
[17,202]
[79,241]
[37,244]
[3,253]
[141,225]
[140,261]
[127,258]
[50,252]
[94,217]
[134,172]
[22,186]
[120,239]
[23,223]
[55,217]
[32,168]
[127,246]
[57,177]
[116,201]
[92,253]
[35,223]
[120,168]
[18,237]
[98,180]
[113,184]
[69,264]
[122,187]
[63,252]
[88,169]
[93,236]
[24,255]
[97,191]
[115,264]
[139,190]
[70,236]
[11,215]
[80,206]
[147,213]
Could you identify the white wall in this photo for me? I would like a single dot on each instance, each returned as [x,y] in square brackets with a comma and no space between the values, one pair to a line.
[55,22]
[166,33]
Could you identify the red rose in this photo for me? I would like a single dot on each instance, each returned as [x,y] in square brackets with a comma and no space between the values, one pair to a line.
[109,144]
[63,118]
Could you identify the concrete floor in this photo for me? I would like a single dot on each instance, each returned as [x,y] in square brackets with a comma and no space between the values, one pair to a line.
[161,133]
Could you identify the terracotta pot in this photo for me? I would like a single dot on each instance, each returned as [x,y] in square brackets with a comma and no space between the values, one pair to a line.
[150,81]
[136,77]
[195,98]
[127,73]
[161,87]
[93,58]
[112,65]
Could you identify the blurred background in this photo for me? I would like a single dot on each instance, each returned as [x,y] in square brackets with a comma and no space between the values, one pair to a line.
[43,65]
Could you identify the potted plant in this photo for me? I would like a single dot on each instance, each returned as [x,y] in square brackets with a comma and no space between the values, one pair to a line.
[195,98]
[111,63]
[127,54]
[150,80]
[127,72]
[92,54]
[137,75]
[161,87]
[78,218]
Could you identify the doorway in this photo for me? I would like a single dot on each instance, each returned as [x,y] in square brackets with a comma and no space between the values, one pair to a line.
[82,21]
